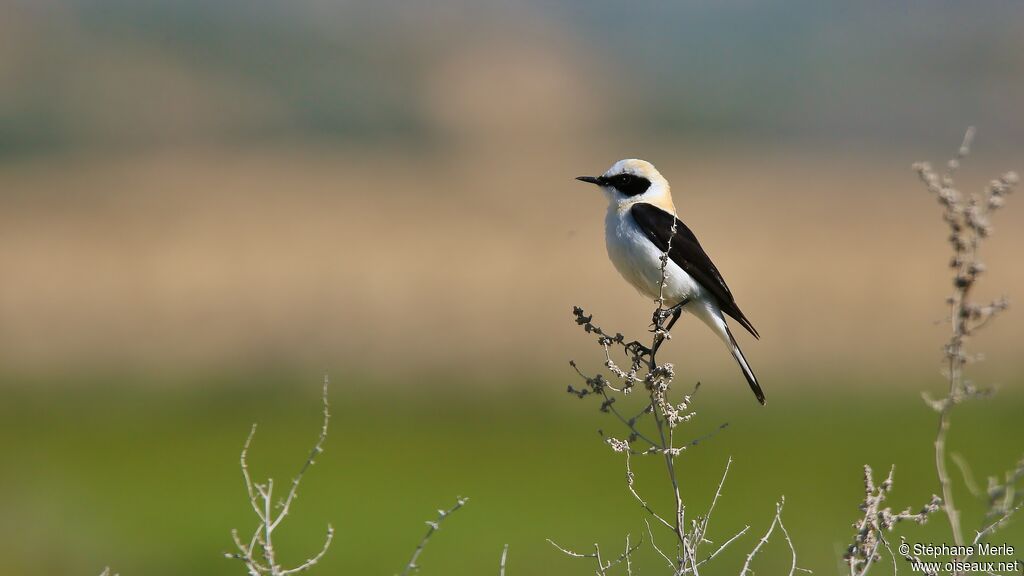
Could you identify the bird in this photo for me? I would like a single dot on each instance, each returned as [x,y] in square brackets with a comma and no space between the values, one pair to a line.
[639,231]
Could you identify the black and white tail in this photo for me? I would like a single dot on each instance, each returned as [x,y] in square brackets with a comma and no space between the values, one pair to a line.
[748,373]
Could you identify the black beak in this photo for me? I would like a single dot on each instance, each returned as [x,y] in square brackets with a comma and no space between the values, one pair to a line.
[589,179]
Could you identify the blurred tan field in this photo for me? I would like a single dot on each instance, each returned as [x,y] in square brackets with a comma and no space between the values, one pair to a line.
[395,262]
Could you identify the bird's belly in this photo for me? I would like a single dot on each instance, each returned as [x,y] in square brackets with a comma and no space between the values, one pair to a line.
[638,260]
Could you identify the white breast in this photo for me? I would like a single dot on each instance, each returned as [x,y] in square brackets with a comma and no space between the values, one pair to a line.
[639,261]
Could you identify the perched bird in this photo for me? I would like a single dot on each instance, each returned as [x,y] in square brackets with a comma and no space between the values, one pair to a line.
[638,231]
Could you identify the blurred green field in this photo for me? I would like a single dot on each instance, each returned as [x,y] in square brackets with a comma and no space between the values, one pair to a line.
[145,477]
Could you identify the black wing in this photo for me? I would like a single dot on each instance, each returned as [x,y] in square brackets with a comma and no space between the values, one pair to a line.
[687,253]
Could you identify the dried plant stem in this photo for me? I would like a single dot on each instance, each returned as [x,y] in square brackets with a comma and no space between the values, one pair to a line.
[871,528]
[964,256]
[947,486]
[968,218]
[670,467]
[432,526]
[764,539]
[654,426]
[504,558]
[602,565]
[271,516]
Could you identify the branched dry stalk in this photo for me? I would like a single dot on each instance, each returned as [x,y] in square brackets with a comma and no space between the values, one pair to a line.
[604,565]
[870,530]
[258,553]
[651,430]
[776,521]
[968,218]
[433,526]
[1004,498]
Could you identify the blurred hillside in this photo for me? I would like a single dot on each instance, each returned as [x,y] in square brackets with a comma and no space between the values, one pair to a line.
[118,74]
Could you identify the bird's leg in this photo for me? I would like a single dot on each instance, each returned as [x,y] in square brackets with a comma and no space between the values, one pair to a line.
[677,311]
[635,348]
[660,314]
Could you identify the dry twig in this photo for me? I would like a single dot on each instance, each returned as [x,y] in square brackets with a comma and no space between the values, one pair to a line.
[776,521]
[603,565]
[871,528]
[968,217]
[651,430]
[504,558]
[258,554]
[432,526]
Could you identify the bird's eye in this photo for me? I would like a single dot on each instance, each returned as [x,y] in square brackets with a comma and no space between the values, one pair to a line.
[630,184]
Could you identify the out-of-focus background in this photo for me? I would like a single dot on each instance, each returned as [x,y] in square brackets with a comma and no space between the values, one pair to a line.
[207,205]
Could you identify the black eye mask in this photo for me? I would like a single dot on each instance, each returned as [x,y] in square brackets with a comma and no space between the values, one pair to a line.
[629,184]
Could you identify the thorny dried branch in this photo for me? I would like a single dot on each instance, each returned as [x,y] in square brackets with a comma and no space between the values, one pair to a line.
[602,564]
[1004,499]
[871,529]
[258,554]
[504,558]
[968,217]
[651,430]
[776,521]
[433,526]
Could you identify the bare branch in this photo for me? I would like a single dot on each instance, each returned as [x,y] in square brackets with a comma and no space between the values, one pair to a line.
[776,521]
[261,500]
[723,546]
[632,490]
[965,472]
[654,545]
[762,541]
[997,524]
[968,217]
[504,557]
[432,526]
[870,529]
[602,566]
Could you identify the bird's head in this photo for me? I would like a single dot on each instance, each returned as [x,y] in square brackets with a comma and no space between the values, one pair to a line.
[630,181]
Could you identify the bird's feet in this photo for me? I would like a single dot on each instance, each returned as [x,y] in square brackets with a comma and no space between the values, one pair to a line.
[662,314]
[636,349]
